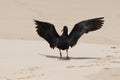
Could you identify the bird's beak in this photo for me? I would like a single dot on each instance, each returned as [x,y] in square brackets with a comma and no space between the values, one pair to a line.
[62,30]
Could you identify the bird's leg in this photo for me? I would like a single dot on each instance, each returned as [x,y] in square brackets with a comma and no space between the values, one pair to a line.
[67,57]
[60,53]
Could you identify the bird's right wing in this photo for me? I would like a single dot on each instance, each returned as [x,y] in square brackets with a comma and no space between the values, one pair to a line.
[84,27]
[47,31]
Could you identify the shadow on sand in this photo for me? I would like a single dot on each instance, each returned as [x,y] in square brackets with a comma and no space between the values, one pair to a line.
[64,58]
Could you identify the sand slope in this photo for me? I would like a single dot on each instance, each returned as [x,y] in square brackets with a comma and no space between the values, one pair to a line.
[30,60]
[16,17]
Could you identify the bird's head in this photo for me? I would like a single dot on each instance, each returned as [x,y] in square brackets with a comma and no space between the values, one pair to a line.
[65,29]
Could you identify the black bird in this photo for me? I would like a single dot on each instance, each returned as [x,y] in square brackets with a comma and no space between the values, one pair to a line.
[48,32]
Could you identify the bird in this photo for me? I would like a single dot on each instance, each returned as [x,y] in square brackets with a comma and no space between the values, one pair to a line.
[48,32]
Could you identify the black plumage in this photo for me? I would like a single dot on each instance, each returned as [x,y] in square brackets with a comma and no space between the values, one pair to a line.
[48,32]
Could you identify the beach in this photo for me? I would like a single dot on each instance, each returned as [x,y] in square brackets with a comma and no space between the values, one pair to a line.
[26,56]
[28,60]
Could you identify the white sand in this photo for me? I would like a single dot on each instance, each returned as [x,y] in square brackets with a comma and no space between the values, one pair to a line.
[107,74]
[30,60]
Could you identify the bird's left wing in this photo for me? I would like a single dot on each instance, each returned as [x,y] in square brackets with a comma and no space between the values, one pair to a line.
[47,31]
[84,27]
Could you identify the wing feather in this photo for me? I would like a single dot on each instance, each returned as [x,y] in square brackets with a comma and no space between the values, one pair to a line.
[47,31]
[84,27]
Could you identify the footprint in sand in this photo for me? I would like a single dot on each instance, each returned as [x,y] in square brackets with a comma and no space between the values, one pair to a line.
[115,61]
[28,70]
[5,78]
[106,68]
[28,74]
[70,66]
[80,66]
[86,65]
[113,47]
[116,51]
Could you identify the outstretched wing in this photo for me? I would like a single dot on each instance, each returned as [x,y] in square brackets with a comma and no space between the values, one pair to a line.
[84,27]
[47,31]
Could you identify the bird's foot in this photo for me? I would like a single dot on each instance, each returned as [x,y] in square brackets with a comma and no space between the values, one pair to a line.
[60,55]
[67,57]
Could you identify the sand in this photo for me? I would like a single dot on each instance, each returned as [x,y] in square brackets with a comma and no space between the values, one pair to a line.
[25,56]
[29,60]
[16,18]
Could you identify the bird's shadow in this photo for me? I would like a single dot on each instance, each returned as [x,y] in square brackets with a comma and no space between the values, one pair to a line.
[64,58]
